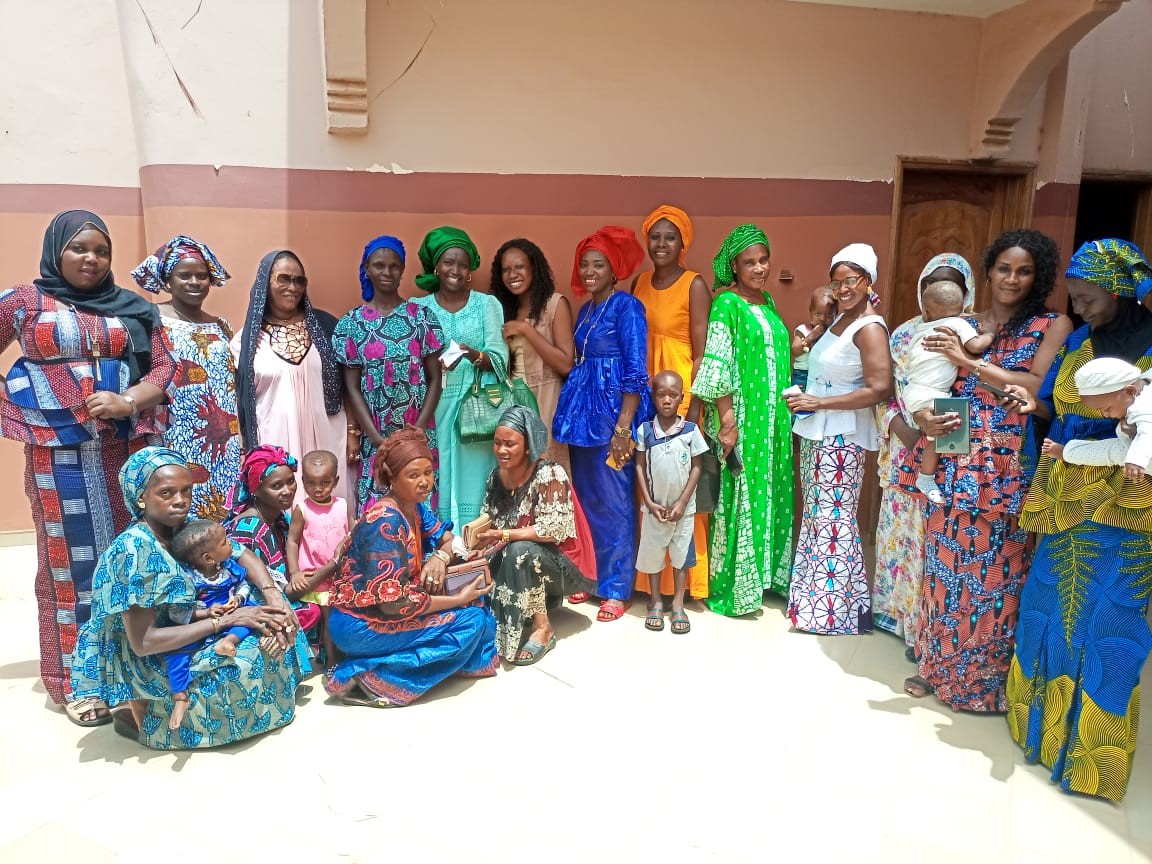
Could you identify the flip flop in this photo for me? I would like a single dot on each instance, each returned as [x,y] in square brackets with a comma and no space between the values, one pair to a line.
[579,597]
[535,651]
[123,723]
[357,695]
[612,610]
[680,623]
[917,687]
[655,619]
[77,708]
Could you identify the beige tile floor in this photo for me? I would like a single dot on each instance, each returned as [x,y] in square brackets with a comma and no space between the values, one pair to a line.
[739,742]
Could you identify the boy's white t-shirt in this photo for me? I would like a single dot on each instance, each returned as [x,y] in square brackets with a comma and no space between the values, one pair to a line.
[670,459]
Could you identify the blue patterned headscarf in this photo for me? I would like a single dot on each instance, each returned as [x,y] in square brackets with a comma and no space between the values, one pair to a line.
[957,263]
[138,471]
[152,273]
[1117,266]
[384,241]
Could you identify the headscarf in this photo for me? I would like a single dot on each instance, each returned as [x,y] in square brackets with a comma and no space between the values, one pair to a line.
[1105,375]
[152,273]
[258,464]
[862,257]
[678,218]
[740,239]
[619,246]
[384,241]
[107,299]
[436,243]
[245,372]
[957,263]
[399,449]
[527,423]
[136,473]
[1117,266]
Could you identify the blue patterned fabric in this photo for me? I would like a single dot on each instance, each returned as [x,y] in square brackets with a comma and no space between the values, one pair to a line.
[230,698]
[608,497]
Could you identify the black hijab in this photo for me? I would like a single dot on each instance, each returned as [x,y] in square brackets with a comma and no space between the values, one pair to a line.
[107,299]
[1127,336]
[320,326]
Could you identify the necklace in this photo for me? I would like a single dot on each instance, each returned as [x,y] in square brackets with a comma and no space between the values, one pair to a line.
[664,283]
[582,353]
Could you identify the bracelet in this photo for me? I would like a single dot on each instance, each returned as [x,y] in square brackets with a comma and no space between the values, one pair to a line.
[979,368]
[266,587]
[131,400]
[621,432]
[728,426]
[215,626]
[505,535]
[479,358]
[443,556]
[354,430]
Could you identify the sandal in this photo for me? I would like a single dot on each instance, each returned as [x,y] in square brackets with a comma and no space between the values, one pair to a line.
[579,597]
[612,610]
[655,619]
[535,651]
[77,708]
[680,623]
[917,687]
[357,695]
[123,723]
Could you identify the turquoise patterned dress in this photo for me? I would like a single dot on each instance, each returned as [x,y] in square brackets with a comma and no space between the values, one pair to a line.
[464,468]
[231,698]
[390,350]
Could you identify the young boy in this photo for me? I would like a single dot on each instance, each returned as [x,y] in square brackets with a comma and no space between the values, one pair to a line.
[1117,390]
[668,468]
[318,526]
[821,312]
[930,375]
[220,585]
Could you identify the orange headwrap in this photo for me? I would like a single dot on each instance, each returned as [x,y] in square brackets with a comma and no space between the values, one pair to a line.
[619,246]
[678,218]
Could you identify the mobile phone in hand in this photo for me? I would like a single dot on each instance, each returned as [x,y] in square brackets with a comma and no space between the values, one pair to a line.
[733,460]
[996,391]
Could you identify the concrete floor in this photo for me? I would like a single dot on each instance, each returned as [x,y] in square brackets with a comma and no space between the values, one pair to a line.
[739,742]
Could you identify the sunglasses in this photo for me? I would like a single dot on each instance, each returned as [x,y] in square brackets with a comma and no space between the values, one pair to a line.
[283,280]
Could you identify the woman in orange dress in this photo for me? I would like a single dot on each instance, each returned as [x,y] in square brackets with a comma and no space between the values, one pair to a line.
[677,302]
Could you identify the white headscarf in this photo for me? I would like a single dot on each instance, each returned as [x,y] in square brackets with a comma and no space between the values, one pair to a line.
[957,263]
[1105,375]
[860,255]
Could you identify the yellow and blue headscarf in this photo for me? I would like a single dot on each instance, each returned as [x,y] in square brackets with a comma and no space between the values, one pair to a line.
[138,470]
[384,241]
[1117,266]
[152,273]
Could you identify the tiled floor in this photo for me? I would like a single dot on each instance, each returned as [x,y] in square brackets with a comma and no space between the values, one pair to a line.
[739,742]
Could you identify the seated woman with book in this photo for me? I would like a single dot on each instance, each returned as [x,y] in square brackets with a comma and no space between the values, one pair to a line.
[536,536]
[396,617]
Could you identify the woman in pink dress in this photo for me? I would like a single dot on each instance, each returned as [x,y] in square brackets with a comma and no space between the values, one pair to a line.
[289,390]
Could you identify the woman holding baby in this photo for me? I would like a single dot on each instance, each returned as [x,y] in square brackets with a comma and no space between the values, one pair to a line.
[1073,689]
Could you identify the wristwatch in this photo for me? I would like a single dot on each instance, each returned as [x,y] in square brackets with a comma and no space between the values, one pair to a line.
[131,400]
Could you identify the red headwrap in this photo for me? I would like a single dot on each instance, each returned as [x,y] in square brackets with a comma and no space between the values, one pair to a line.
[255,467]
[619,246]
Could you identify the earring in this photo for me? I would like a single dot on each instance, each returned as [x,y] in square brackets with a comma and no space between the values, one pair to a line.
[140,503]
[469,279]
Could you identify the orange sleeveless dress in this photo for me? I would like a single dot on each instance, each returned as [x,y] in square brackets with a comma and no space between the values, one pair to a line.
[670,347]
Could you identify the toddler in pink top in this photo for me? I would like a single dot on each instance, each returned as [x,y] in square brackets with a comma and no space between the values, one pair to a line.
[316,531]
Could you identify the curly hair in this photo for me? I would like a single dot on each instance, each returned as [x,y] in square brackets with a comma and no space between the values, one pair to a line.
[543,284]
[1045,259]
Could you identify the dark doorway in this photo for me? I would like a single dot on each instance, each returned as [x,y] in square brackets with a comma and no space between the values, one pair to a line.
[1113,208]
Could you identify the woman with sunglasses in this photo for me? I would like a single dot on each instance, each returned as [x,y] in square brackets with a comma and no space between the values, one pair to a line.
[289,389]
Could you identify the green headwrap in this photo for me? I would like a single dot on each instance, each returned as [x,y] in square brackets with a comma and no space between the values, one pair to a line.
[735,243]
[436,243]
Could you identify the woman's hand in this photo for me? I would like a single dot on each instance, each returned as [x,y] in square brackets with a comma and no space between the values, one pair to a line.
[490,535]
[621,450]
[298,583]
[1024,403]
[276,627]
[945,341]
[803,402]
[103,405]
[936,425]
[516,328]
[475,591]
[728,436]
[432,575]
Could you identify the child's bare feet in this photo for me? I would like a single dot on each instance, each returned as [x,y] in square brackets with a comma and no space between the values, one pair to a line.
[1051,449]
[226,647]
[178,710]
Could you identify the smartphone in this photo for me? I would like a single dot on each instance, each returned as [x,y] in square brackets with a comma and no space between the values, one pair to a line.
[958,441]
[733,461]
[1003,394]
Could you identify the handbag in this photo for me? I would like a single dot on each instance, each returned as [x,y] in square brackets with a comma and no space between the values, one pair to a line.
[481,409]
[708,486]
[460,576]
[523,396]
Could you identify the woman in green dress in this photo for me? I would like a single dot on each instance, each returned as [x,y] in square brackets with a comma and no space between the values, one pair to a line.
[474,321]
[746,366]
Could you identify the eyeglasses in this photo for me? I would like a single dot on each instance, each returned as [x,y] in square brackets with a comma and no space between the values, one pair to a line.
[283,280]
[849,283]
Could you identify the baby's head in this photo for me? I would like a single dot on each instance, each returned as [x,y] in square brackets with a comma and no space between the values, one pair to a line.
[822,306]
[667,392]
[942,300]
[320,473]
[1108,385]
[202,544]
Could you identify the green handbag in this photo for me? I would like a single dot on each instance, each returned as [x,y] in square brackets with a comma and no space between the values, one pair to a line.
[484,403]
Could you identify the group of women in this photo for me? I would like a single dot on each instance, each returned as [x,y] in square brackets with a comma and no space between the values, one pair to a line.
[163,400]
